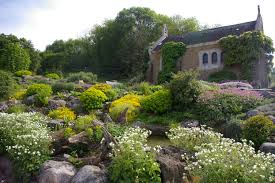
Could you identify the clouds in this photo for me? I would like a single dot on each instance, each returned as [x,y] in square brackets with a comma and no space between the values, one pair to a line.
[44,21]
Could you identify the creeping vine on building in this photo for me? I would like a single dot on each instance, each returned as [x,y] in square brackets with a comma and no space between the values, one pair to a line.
[171,52]
[245,50]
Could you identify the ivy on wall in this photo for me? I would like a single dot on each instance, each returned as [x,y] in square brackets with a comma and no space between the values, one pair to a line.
[170,52]
[245,50]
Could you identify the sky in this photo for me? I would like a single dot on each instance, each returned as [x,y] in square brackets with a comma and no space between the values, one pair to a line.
[43,21]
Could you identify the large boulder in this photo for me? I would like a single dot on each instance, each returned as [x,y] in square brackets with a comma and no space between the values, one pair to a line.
[56,172]
[74,103]
[30,100]
[6,171]
[268,147]
[171,164]
[236,84]
[54,104]
[79,138]
[90,174]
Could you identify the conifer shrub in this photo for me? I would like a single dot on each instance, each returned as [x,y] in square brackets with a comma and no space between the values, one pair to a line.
[224,75]
[158,102]
[63,87]
[93,99]
[257,129]
[7,84]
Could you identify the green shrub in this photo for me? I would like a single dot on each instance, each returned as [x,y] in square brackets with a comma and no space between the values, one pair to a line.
[98,133]
[87,77]
[131,163]
[62,113]
[42,92]
[52,76]
[106,89]
[7,84]
[223,75]
[93,99]
[233,129]
[83,122]
[257,129]
[68,132]
[23,73]
[63,87]
[185,89]
[26,140]
[20,108]
[158,102]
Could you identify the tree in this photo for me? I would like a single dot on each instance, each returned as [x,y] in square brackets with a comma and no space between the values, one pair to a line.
[14,58]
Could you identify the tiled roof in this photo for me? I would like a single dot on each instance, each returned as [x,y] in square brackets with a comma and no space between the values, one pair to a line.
[209,35]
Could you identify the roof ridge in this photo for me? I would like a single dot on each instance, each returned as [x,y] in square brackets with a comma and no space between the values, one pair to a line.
[205,30]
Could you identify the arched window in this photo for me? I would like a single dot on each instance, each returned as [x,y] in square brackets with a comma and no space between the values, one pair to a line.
[214,58]
[222,57]
[205,58]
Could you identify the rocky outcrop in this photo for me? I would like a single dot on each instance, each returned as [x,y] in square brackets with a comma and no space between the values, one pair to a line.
[79,138]
[190,124]
[268,147]
[90,174]
[74,103]
[3,107]
[56,172]
[171,164]
[54,104]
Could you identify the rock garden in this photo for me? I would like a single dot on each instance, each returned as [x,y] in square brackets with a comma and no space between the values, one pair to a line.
[75,129]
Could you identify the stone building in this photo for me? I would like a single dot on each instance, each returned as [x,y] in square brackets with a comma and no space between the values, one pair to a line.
[204,52]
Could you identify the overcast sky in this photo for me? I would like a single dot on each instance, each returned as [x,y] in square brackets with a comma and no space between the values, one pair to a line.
[43,21]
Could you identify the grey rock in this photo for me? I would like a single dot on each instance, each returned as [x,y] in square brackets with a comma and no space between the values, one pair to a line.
[190,124]
[268,147]
[236,84]
[74,103]
[3,107]
[90,174]
[171,164]
[30,100]
[113,83]
[272,119]
[6,170]
[79,138]
[56,123]
[54,104]
[252,113]
[56,172]
[107,118]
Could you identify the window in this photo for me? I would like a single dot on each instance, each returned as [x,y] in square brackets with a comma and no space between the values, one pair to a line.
[214,58]
[205,58]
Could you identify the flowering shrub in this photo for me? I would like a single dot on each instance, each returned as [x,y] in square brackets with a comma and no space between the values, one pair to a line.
[158,102]
[93,98]
[220,105]
[68,132]
[52,76]
[257,129]
[62,113]
[189,138]
[130,101]
[23,73]
[25,138]
[230,161]
[132,160]
[42,92]
[106,89]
